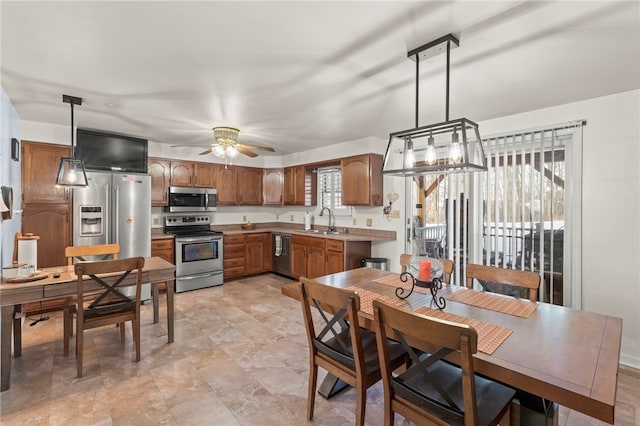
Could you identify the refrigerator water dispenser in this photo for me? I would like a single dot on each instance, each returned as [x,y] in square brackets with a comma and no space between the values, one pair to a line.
[91,221]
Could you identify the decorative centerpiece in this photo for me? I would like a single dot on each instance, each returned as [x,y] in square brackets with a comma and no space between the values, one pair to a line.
[425,280]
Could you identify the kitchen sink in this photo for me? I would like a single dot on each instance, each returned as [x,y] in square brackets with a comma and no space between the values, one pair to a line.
[317,231]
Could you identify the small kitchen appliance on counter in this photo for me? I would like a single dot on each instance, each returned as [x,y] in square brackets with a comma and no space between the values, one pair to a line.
[198,252]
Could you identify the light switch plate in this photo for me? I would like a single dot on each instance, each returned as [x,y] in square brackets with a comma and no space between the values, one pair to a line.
[369,222]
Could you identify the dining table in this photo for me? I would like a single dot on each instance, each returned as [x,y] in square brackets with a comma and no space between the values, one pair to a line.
[564,355]
[61,281]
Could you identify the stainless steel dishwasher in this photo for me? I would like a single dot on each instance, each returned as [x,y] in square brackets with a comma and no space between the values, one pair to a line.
[282,253]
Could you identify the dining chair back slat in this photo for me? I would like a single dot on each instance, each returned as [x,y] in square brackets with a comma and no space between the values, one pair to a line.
[495,279]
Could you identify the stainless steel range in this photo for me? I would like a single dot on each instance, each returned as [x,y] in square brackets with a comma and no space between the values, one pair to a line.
[199,252]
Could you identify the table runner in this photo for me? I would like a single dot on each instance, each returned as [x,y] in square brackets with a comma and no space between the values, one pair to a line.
[395,281]
[367,297]
[506,305]
[490,336]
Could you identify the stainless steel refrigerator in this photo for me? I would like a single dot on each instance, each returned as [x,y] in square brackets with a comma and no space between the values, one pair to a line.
[115,208]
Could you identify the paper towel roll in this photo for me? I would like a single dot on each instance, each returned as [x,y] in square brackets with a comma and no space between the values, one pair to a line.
[307,221]
[28,251]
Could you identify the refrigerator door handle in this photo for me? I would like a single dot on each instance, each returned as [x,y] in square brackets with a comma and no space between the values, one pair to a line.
[106,215]
[116,214]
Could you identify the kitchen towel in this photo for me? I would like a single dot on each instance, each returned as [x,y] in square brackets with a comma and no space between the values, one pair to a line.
[278,245]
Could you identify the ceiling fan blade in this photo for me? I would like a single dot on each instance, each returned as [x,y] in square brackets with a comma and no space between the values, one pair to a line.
[205,152]
[264,148]
[245,151]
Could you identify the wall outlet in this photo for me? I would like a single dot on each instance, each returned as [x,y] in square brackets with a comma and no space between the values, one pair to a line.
[292,218]
[277,216]
[244,218]
[354,221]
[369,222]
[395,214]
[156,221]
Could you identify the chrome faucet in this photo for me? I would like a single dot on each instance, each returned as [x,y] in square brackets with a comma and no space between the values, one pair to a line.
[331,227]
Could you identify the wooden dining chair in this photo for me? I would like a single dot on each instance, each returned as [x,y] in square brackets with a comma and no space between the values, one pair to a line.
[433,391]
[338,344]
[78,253]
[107,304]
[504,281]
[405,259]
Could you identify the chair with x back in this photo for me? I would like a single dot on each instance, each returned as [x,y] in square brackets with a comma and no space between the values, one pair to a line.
[79,254]
[405,259]
[433,391]
[512,282]
[338,344]
[101,301]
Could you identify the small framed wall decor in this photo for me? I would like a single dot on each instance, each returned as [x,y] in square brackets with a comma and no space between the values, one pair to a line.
[15,149]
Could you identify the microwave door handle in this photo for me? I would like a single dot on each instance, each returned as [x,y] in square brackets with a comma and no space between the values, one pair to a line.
[206,201]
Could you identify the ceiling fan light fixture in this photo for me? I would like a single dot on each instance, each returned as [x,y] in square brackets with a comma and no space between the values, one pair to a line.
[71,171]
[452,146]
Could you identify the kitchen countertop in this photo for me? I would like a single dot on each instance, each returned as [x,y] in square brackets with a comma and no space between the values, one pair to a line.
[352,234]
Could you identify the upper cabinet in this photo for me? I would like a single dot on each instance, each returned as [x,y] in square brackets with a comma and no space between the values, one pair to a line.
[227,185]
[205,175]
[272,187]
[300,186]
[160,171]
[182,173]
[362,180]
[249,186]
[40,163]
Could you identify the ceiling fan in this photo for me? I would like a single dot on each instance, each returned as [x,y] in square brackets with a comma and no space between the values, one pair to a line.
[226,145]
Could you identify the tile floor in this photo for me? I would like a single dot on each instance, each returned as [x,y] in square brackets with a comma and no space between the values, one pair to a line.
[239,358]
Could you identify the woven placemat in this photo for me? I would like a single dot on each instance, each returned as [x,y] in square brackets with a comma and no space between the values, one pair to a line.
[506,305]
[394,281]
[367,297]
[490,336]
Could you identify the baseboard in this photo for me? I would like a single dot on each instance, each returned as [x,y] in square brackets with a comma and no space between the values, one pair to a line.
[630,361]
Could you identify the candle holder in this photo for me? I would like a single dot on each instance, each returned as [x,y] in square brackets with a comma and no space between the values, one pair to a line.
[434,285]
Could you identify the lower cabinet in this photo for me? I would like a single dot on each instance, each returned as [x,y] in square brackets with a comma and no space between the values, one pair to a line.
[313,257]
[246,254]
[164,248]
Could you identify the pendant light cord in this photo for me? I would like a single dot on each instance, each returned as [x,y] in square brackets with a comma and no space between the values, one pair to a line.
[417,85]
[447,96]
[73,155]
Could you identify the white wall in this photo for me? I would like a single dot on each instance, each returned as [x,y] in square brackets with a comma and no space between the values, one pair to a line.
[611,198]
[9,176]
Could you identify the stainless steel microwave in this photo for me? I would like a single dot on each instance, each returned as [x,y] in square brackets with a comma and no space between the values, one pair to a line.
[192,199]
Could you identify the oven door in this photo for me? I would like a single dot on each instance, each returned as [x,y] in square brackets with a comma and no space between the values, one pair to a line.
[198,255]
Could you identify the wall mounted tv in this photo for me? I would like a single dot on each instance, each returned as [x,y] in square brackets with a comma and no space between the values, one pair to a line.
[110,151]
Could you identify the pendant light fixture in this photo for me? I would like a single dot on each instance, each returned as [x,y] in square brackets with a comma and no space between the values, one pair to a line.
[71,172]
[452,146]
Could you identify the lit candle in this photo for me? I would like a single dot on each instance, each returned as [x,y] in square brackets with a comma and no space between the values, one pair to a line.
[424,271]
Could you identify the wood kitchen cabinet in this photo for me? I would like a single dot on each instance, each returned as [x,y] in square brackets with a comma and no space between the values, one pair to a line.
[182,173]
[272,187]
[164,248]
[249,186]
[234,256]
[159,170]
[258,253]
[205,175]
[300,186]
[40,163]
[52,223]
[362,180]
[307,256]
[345,255]
[227,186]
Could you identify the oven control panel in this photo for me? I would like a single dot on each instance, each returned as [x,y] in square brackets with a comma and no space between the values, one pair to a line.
[171,221]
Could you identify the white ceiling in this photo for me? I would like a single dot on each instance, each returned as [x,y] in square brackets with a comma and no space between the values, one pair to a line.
[297,75]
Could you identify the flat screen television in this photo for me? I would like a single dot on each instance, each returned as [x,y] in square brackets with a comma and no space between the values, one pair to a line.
[110,151]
